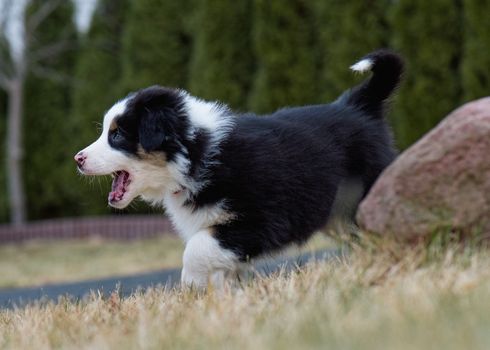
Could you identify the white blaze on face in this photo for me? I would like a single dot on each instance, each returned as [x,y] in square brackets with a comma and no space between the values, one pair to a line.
[102,159]
[133,176]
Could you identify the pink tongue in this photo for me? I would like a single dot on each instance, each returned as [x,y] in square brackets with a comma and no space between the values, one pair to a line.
[118,189]
[118,182]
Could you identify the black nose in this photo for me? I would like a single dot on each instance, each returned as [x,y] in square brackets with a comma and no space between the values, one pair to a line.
[80,159]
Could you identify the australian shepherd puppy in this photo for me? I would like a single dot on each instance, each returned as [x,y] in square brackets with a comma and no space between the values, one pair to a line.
[238,186]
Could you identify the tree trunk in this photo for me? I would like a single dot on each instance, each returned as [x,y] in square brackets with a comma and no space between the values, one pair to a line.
[14,152]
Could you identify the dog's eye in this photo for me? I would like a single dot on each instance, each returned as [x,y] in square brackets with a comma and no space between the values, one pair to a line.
[116,135]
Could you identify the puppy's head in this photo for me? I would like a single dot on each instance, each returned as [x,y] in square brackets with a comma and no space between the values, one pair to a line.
[140,144]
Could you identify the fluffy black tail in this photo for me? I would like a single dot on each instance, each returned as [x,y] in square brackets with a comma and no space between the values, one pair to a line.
[370,96]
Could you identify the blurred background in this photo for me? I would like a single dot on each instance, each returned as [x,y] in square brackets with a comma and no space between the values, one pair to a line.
[64,63]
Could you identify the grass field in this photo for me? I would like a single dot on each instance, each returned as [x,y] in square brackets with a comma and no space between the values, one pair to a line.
[384,296]
[41,262]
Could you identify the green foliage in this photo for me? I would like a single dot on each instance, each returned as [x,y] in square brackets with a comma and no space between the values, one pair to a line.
[98,67]
[5,55]
[476,58]
[251,54]
[49,141]
[96,88]
[4,214]
[428,35]
[287,55]
[4,58]
[222,62]
[156,45]
[347,31]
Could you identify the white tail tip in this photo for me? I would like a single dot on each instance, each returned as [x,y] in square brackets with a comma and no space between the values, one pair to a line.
[362,66]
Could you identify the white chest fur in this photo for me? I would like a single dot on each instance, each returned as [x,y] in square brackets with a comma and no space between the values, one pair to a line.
[189,221]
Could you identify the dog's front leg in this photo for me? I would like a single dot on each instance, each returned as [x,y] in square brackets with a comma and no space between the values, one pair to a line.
[205,261]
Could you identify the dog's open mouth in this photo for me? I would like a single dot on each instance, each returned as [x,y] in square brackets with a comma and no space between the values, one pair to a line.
[120,183]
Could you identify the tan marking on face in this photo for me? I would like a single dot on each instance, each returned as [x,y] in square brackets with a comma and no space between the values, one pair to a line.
[113,125]
[153,158]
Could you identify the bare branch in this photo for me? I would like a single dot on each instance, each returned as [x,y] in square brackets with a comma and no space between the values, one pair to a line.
[5,15]
[33,21]
[5,82]
[51,74]
[6,64]
[5,57]
[51,50]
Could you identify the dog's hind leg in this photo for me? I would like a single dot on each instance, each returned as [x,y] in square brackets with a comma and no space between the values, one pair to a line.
[205,261]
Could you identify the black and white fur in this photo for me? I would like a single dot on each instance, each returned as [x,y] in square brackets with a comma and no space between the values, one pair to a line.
[238,186]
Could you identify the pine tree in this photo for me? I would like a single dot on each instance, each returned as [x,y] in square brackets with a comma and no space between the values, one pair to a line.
[49,145]
[428,34]
[287,55]
[348,30]
[222,63]
[156,45]
[97,85]
[476,58]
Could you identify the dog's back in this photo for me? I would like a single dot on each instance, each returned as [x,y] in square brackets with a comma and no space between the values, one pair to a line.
[283,174]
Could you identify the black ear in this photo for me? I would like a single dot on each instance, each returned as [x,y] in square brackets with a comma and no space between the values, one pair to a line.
[158,110]
[152,129]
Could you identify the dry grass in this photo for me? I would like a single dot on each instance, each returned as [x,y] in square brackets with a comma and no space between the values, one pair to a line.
[40,262]
[381,297]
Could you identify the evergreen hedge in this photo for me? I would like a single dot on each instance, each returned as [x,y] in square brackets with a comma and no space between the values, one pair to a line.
[475,65]
[156,44]
[4,213]
[347,31]
[287,55]
[428,35]
[251,54]
[97,86]
[4,203]
[222,57]
[49,143]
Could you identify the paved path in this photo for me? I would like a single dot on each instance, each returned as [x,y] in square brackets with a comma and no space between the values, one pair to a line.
[127,285]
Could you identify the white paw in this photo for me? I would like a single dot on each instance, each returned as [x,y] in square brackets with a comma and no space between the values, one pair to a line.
[205,261]
[194,280]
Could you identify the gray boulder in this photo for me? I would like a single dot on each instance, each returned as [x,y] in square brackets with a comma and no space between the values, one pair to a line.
[441,182]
